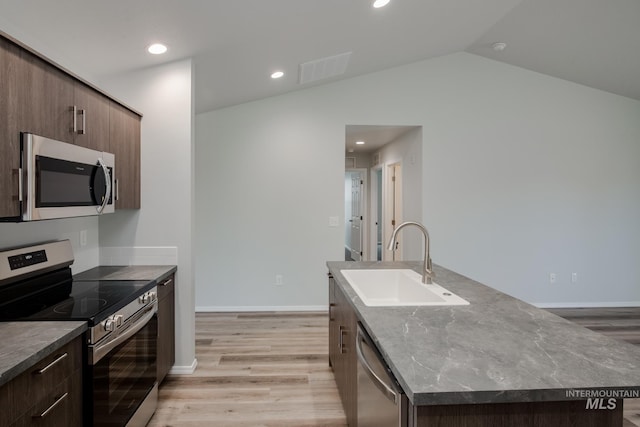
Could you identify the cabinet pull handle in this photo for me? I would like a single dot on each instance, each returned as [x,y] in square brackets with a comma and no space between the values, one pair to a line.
[83,113]
[74,119]
[341,339]
[50,408]
[166,282]
[50,365]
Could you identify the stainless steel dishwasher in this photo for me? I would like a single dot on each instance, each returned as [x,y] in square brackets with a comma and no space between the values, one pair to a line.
[381,401]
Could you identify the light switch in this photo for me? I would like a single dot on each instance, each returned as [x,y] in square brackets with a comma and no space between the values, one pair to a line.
[334,221]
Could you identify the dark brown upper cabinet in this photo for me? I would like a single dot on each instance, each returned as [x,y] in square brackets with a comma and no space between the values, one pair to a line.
[39,97]
[124,142]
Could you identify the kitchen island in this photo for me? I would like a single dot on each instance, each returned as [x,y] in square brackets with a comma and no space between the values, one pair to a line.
[496,360]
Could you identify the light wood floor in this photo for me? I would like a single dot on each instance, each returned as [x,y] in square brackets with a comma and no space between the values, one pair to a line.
[260,369]
[272,370]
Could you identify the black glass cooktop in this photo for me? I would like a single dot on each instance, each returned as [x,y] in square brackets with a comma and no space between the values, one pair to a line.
[66,299]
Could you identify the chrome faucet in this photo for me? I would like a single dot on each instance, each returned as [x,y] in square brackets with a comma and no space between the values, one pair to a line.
[427,269]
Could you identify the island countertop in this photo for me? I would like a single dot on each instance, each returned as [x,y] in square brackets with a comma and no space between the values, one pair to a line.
[496,349]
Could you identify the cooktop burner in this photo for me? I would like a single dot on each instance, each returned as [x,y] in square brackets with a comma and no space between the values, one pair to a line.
[92,301]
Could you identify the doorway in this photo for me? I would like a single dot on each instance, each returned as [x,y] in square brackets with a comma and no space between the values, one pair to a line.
[355,212]
[390,158]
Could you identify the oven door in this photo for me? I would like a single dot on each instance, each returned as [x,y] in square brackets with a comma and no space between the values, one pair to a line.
[64,180]
[122,378]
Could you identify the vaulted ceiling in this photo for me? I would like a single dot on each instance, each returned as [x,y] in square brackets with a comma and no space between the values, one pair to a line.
[237,44]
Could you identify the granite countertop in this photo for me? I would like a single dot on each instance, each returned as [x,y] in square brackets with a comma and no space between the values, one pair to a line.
[25,343]
[128,272]
[496,349]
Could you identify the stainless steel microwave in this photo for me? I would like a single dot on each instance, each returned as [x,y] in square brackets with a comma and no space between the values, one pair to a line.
[61,180]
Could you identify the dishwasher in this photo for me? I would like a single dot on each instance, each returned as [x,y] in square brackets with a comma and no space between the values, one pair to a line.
[381,401]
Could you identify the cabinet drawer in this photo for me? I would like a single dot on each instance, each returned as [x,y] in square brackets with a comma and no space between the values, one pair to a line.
[61,407]
[166,287]
[41,380]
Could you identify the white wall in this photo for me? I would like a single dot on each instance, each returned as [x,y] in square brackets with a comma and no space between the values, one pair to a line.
[160,232]
[523,175]
[407,150]
[26,233]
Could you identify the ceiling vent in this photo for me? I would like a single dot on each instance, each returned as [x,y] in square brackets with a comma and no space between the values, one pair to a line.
[324,68]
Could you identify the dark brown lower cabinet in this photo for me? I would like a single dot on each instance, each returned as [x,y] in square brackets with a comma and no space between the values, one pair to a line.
[342,350]
[47,394]
[166,327]
[526,414]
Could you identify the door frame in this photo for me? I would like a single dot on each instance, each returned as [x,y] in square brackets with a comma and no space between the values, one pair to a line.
[373,212]
[392,207]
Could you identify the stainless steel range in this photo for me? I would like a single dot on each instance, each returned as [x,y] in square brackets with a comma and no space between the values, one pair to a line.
[120,365]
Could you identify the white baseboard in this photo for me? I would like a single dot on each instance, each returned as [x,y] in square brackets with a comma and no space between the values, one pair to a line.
[218,309]
[586,304]
[184,370]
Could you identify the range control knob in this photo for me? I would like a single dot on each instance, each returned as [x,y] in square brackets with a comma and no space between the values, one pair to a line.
[147,298]
[110,324]
[113,322]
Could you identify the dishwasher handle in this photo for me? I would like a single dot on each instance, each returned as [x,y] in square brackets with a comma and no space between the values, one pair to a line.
[385,388]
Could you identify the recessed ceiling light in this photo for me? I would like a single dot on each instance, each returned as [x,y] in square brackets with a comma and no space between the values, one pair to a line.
[277,75]
[380,3]
[499,46]
[157,49]
[359,142]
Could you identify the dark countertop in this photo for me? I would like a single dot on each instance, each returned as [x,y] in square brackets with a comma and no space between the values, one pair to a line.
[496,349]
[128,272]
[25,343]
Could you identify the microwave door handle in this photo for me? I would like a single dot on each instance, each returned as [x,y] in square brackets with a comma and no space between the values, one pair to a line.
[107,178]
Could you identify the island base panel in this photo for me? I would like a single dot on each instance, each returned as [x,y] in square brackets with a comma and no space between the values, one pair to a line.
[528,414]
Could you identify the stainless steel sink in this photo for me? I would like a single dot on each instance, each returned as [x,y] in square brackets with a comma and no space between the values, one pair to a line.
[398,287]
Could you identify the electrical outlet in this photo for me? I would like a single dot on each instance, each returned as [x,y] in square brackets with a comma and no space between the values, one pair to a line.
[552,277]
[279,280]
[574,277]
[334,221]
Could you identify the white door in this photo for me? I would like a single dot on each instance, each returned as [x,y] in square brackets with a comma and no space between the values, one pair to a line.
[393,210]
[357,215]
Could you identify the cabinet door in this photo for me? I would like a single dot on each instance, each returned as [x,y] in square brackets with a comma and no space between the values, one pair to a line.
[92,118]
[10,69]
[166,327]
[350,368]
[333,324]
[342,351]
[45,100]
[124,142]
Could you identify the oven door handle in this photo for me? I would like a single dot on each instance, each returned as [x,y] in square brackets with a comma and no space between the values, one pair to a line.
[98,351]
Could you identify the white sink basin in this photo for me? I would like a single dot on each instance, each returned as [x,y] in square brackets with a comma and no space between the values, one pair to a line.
[398,287]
